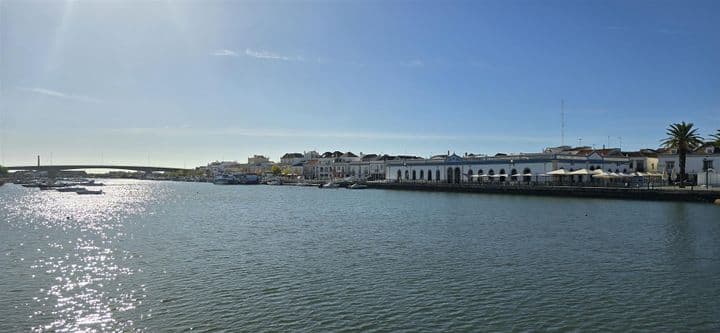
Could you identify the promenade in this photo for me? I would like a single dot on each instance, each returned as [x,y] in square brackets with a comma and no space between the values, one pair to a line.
[687,194]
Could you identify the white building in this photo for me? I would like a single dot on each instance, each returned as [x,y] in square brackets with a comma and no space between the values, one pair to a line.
[333,165]
[373,166]
[700,164]
[499,168]
[292,158]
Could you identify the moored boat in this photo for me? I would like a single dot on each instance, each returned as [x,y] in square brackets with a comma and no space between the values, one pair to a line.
[330,185]
[225,180]
[89,192]
[357,186]
[71,189]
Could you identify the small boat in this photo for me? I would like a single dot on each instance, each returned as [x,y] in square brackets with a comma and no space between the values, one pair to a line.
[89,192]
[330,185]
[225,180]
[274,182]
[357,186]
[71,189]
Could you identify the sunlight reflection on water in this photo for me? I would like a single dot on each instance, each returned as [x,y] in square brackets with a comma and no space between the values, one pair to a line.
[85,292]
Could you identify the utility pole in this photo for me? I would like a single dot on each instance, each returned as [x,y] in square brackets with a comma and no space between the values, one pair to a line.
[562,122]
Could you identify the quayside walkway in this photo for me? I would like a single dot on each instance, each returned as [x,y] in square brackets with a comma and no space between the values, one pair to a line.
[631,193]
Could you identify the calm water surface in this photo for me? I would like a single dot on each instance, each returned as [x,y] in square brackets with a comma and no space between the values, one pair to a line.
[152,256]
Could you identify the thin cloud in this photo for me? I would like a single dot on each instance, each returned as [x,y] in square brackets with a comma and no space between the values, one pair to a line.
[300,133]
[61,95]
[225,53]
[263,54]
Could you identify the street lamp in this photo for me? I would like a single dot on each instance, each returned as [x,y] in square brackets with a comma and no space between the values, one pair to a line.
[708,169]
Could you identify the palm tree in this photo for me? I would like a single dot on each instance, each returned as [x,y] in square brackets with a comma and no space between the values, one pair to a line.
[716,136]
[684,138]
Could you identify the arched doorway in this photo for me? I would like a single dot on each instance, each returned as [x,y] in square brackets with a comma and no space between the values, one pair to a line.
[513,174]
[429,175]
[526,171]
[502,175]
[407,175]
[470,175]
[422,174]
[413,178]
[480,175]
[399,175]
[437,175]
[457,175]
[449,175]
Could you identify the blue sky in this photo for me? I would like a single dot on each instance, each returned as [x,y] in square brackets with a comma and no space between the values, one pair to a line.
[187,82]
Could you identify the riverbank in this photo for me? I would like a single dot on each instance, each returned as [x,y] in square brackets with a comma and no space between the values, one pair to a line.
[663,194]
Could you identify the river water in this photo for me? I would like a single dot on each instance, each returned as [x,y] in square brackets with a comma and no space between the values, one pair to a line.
[152,256]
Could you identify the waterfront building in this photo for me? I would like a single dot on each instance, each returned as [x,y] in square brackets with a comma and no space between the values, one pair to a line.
[372,166]
[221,167]
[523,167]
[292,158]
[258,160]
[334,165]
[700,164]
[643,160]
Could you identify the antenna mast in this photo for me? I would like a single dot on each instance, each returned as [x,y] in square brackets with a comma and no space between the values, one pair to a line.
[562,122]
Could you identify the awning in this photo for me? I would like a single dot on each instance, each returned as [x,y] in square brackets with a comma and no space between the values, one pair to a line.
[580,172]
[558,172]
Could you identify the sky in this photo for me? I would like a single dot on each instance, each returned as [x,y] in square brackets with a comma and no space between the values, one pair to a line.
[183,83]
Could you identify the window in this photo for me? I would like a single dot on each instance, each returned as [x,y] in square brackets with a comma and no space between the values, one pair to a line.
[707,164]
[422,174]
[669,165]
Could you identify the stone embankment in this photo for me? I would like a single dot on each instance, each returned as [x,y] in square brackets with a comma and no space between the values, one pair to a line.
[664,194]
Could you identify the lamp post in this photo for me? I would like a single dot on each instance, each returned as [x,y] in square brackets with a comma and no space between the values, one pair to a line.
[707,172]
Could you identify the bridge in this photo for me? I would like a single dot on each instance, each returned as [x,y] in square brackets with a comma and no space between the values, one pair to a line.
[54,169]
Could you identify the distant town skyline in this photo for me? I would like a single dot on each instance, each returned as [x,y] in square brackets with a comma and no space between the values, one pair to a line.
[186,83]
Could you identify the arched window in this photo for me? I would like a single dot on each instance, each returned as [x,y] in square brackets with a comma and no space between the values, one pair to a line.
[526,171]
[592,167]
[414,177]
[437,175]
[513,172]
[470,175]
[422,174]
[457,175]
[491,172]
[407,175]
[449,175]
[399,175]
[624,170]
[502,175]
[429,174]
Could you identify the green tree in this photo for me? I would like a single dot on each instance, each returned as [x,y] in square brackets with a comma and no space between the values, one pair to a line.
[716,136]
[684,138]
[275,170]
[3,171]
